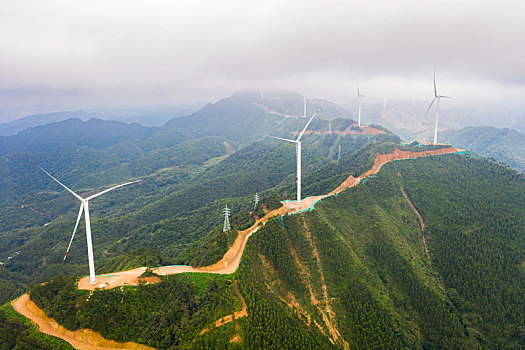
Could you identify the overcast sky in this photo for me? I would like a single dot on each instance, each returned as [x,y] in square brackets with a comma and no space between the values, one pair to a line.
[57,55]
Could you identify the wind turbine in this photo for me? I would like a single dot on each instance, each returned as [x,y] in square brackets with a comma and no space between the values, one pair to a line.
[304,110]
[298,154]
[437,97]
[84,206]
[359,96]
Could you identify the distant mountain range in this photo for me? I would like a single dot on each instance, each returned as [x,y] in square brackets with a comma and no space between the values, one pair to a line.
[504,145]
[407,120]
[144,115]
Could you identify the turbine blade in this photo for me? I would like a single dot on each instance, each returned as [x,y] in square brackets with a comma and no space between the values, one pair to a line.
[60,183]
[358,90]
[111,189]
[75,230]
[280,138]
[444,97]
[428,109]
[306,126]
[282,120]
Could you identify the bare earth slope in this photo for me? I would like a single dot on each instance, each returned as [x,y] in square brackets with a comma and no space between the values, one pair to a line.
[80,339]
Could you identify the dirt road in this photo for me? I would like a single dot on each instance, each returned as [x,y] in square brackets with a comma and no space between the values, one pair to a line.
[88,339]
[230,261]
[80,339]
[236,315]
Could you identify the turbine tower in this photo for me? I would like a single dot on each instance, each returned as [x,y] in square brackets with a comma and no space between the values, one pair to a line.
[359,96]
[84,207]
[226,226]
[384,102]
[304,110]
[298,154]
[437,97]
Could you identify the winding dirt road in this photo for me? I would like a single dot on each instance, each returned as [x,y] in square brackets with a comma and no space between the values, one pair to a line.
[84,339]
[79,339]
[236,315]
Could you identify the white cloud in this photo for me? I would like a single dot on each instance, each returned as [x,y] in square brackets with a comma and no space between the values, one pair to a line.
[203,49]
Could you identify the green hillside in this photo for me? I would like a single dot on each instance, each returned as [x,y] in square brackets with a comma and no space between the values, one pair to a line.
[504,145]
[357,272]
[353,272]
[178,203]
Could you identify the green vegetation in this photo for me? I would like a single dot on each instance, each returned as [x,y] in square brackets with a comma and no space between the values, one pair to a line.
[17,332]
[354,270]
[270,323]
[370,262]
[170,313]
[477,240]
[504,145]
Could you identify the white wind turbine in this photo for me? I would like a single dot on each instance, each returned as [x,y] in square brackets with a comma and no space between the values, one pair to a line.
[304,109]
[359,96]
[84,206]
[438,98]
[298,154]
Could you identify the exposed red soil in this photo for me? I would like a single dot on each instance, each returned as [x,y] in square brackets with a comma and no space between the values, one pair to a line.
[363,130]
[229,148]
[421,222]
[328,314]
[79,339]
[230,261]
[236,315]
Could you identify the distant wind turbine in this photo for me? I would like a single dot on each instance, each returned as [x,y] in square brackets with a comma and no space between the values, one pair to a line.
[384,102]
[437,97]
[359,96]
[298,154]
[304,110]
[84,206]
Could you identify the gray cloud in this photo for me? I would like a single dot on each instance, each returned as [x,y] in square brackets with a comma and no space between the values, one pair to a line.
[124,51]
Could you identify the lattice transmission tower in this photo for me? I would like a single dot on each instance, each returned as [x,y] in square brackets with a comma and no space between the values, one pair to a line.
[227,226]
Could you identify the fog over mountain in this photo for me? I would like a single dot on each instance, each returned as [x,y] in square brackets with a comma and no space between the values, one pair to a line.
[60,56]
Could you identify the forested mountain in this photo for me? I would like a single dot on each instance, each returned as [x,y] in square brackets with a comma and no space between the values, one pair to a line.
[31,121]
[181,167]
[94,133]
[504,145]
[428,254]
